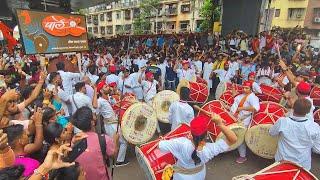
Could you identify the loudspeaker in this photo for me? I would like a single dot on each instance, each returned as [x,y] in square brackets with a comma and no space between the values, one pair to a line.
[241,15]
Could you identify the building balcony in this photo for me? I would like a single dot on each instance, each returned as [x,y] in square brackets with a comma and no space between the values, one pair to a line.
[172,12]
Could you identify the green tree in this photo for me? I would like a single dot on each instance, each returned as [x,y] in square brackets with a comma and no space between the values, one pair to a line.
[210,14]
[142,22]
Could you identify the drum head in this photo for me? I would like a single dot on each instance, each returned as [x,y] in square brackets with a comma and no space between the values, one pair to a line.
[221,88]
[144,164]
[260,142]
[315,95]
[239,130]
[162,102]
[139,123]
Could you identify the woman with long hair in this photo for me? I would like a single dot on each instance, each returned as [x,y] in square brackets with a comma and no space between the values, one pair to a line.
[192,154]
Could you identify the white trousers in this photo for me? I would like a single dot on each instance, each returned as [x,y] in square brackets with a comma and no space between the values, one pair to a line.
[242,149]
[111,129]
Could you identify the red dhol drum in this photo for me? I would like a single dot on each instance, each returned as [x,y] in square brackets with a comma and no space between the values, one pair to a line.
[315,95]
[316,116]
[152,160]
[230,121]
[257,137]
[270,94]
[280,171]
[200,80]
[227,98]
[127,100]
[226,86]
[199,92]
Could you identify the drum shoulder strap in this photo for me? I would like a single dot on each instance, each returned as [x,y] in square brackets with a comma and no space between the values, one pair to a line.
[103,148]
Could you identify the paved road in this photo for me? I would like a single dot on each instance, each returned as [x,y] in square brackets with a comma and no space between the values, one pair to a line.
[220,168]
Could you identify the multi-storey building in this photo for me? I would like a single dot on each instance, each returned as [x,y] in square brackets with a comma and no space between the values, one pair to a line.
[312,20]
[170,16]
[288,13]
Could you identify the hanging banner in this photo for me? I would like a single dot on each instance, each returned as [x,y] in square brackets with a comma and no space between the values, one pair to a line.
[45,32]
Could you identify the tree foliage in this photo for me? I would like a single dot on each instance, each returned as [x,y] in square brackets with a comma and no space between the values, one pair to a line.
[142,23]
[210,13]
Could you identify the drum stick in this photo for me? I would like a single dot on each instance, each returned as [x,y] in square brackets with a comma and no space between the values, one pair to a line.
[202,110]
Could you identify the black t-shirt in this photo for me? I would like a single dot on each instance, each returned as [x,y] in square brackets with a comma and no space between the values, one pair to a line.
[155,71]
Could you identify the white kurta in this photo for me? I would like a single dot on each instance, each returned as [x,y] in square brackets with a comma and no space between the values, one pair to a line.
[297,137]
[136,86]
[207,69]
[256,88]
[112,78]
[180,112]
[127,86]
[245,116]
[188,75]
[163,72]
[79,100]
[149,90]
[198,66]
[224,76]
[68,80]
[182,149]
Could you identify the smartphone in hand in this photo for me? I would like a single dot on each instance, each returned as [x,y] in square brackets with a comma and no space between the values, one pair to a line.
[77,150]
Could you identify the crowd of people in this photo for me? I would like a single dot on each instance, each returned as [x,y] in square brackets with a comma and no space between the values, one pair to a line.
[43,115]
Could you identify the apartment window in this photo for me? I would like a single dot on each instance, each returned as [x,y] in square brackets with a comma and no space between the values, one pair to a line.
[171,9]
[101,17]
[109,16]
[102,30]
[136,12]
[316,12]
[185,8]
[118,28]
[89,19]
[95,20]
[95,30]
[277,13]
[159,25]
[109,30]
[184,25]
[127,14]
[127,28]
[296,13]
[89,29]
[118,15]
[171,25]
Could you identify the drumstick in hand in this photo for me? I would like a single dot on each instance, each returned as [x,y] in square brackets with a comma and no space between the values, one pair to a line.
[202,110]
[205,112]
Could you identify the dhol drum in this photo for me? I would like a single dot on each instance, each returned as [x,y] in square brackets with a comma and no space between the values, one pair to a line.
[315,95]
[227,98]
[201,80]
[139,123]
[280,171]
[225,86]
[230,121]
[199,92]
[270,94]
[162,102]
[122,105]
[152,160]
[257,137]
[316,116]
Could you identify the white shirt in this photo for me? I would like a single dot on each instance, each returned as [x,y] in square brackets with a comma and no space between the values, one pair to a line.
[198,66]
[224,76]
[182,149]
[64,99]
[149,89]
[141,63]
[252,100]
[105,109]
[180,112]
[68,79]
[79,100]
[188,75]
[296,139]
[112,78]
[93,78]
[234,67]
[263,42]
[310,114]
[256,88]
[127,82]
[207,69]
